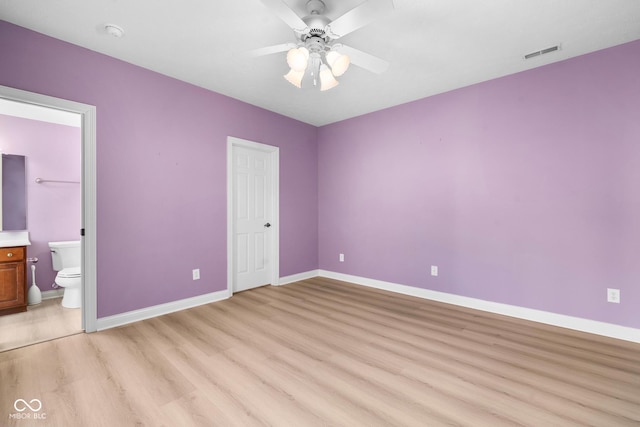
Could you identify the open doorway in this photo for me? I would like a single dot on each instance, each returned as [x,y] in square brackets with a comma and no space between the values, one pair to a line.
[60,185]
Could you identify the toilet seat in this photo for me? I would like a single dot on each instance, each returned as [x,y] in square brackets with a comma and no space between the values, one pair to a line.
[70,273]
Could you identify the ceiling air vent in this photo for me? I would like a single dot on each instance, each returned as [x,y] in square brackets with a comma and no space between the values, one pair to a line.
[542,52]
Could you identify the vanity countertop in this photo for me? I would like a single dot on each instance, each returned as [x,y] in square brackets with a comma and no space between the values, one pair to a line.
[14,238]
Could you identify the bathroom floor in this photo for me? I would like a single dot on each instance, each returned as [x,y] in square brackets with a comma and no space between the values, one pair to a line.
[42,322]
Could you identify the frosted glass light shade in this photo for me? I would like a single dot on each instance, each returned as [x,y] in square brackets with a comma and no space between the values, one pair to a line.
[327,81]
[338,62]
[295,77]
[297,58]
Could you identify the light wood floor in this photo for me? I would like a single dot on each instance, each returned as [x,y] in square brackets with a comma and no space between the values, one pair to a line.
[41,322]
[322,352]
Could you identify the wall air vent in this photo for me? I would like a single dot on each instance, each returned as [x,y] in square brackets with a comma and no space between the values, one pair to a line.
[542,52]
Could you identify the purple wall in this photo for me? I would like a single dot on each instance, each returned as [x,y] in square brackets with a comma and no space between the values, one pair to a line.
[53,209]
[523,190]
[161,170]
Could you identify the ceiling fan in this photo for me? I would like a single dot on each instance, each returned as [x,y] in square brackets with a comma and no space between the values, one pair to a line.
[316,59]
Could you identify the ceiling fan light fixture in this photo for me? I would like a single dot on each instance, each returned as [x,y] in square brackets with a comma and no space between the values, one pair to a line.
[295,77]
[316,59]
[338,62]
[327,80]
[297,58]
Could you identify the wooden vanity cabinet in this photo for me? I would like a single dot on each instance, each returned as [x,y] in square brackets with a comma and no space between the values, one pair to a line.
[13,280]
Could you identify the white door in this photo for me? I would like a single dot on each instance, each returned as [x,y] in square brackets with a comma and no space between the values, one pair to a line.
[252,213]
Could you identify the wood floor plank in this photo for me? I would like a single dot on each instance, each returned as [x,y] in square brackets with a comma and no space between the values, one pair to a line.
[196,367]
[325,352]
[203,408]
[386,407]
[568,369]
[328,406]
[41,322]
[376,359]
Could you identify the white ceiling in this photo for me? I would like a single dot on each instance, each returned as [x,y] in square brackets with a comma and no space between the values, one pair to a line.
[432,46]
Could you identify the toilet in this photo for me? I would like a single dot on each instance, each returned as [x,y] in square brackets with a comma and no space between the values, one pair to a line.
[66,260]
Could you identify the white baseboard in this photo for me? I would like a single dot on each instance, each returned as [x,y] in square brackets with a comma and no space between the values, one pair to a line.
[561,320]
[569,322]
[171,307]
[297,277]
[158,310]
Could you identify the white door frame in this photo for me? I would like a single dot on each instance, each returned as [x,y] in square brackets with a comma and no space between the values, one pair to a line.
[89,262]
[274,247]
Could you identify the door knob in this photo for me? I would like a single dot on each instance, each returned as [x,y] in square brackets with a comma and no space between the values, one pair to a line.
[267,225]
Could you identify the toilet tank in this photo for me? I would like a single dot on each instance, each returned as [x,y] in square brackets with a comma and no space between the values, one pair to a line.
[65,254]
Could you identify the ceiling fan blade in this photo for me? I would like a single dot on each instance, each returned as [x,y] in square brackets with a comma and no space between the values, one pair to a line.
[364,60]
[269,50]
[358,17]
[287,15]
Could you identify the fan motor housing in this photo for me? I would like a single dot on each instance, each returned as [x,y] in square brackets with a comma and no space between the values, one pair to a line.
[316,24]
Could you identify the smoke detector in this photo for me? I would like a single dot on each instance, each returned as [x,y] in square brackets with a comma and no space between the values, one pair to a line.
[114,30]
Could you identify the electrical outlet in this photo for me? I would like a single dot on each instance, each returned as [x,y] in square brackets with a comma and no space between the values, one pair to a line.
[341,257]
[613,295]
[196,273]
[434,270]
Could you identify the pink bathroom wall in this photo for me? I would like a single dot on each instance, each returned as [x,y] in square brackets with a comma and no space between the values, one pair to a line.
[53,152]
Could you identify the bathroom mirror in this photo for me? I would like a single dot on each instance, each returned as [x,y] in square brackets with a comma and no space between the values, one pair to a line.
[13,189]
